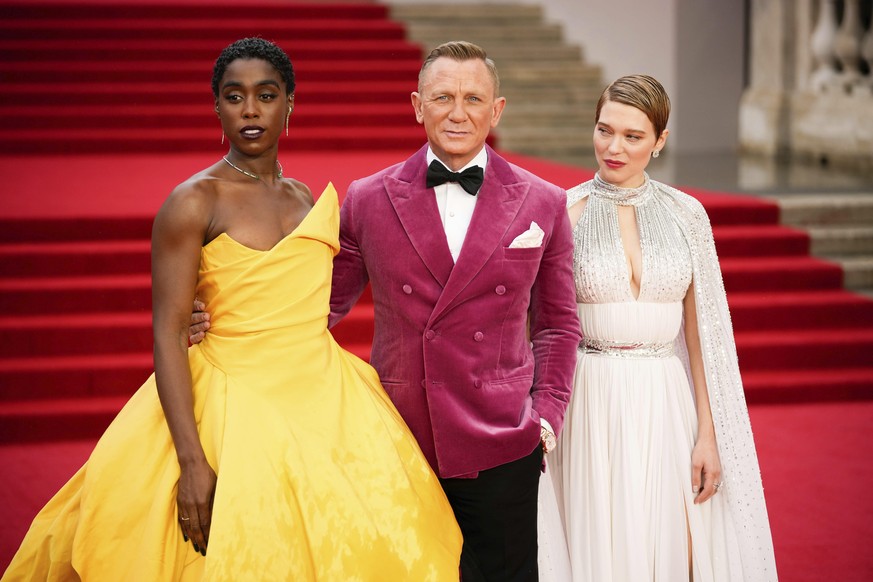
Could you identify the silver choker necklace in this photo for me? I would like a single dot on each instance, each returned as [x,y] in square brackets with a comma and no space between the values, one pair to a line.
[623,196]
[250,174]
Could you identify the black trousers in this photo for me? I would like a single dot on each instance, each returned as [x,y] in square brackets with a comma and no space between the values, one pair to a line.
[497,513]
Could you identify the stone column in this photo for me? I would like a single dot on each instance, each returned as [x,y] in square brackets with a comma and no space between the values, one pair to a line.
[765,104]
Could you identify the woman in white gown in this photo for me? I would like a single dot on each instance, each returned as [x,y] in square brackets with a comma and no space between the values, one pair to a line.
[655,474]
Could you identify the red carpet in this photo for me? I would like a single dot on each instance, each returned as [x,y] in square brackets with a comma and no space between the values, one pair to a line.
[809,457]
[130,96]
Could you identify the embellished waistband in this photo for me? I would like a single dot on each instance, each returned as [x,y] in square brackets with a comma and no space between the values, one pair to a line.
[626,350]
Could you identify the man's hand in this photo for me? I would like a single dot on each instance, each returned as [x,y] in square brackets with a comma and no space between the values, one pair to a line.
[199,323]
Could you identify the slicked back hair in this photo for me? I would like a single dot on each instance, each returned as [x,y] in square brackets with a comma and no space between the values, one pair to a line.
[640,91]
[460,50]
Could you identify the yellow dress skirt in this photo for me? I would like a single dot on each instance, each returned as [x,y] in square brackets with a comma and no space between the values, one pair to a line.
[318,476]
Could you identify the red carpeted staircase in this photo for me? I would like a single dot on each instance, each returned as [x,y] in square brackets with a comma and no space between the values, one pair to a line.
[800,335]
[118,77]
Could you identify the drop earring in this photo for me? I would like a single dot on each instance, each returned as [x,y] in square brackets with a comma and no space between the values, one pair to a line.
[287,119]
[656,153]
[219,121]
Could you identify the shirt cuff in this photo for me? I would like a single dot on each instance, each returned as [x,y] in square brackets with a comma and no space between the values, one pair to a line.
[545,424]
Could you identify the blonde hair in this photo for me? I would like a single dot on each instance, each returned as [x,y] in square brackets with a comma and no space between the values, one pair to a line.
[460,50]
[640,91]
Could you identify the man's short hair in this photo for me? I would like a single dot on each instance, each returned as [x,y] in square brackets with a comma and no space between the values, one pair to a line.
[460,50]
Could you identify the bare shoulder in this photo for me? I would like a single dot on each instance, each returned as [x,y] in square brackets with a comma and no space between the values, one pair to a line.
[190,205]
[299,191]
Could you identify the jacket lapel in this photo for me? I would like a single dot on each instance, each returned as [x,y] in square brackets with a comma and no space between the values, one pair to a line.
[500,199]
[417,210]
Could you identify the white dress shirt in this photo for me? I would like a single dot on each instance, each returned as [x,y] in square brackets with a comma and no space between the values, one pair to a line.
[455,205]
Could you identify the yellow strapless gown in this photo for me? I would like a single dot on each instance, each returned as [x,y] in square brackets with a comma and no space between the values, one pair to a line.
[318,476]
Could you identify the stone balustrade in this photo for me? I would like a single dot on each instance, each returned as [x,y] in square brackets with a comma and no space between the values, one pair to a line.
[811,88]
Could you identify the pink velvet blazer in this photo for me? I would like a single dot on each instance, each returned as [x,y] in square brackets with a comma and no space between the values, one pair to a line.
[451,341]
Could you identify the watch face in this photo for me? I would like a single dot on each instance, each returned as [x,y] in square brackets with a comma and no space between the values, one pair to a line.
[548,439]
[550,442]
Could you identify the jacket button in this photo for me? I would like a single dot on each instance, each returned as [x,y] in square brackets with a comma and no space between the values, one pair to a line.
[407,289]
[478,336]
[429,334]
[477,383]
[500,289]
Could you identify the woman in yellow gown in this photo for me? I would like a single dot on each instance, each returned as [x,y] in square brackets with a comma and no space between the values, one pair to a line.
[266,444]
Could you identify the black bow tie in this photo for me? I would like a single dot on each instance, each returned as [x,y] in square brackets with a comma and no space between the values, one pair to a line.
[470,179]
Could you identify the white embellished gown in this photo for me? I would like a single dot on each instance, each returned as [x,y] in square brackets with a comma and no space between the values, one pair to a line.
[622,468]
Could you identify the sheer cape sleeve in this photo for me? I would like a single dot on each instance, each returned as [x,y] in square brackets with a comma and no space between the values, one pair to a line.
[736,446]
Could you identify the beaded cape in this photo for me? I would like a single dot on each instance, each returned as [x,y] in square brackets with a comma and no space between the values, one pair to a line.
[667,216]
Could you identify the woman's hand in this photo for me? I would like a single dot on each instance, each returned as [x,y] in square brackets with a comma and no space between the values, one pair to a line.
[194,501]
[705,469]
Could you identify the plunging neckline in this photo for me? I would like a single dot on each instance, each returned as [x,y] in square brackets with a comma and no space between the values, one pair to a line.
[617,196]
[629,266]
[633,197]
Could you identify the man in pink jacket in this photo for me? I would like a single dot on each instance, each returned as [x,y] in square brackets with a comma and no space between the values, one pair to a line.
[470,262]
[463,250]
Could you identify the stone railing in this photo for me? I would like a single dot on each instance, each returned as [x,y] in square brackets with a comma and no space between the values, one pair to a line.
[842,51]
[811,88]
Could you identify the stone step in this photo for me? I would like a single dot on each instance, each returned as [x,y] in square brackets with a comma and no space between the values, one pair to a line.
[841,240]
[552,72]
[546,145]
[826,209]
[549,54]
[528,108]
[575,73]
[516,120]
[486,36]
[857,271]
[551,92]
[841,231]
[520,121]
[486,14]
[558,133]
[504,50]
[508,51]
[555,150]
[538,93]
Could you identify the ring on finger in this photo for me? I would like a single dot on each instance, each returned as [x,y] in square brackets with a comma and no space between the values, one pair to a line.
[184,518]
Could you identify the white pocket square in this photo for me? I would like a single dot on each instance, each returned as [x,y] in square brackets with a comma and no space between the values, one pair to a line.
[532,237]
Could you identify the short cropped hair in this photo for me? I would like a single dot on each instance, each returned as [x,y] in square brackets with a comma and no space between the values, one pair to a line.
[640,91]
[254,48]
[460,50]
